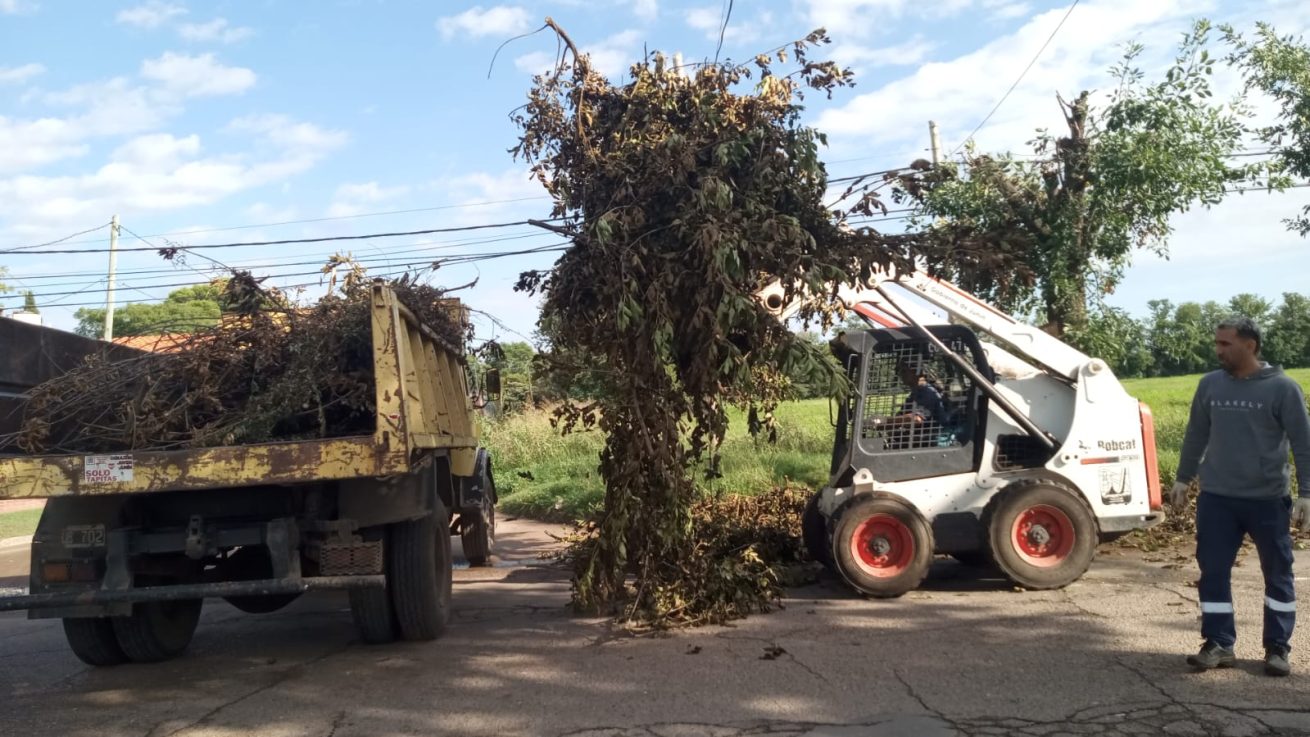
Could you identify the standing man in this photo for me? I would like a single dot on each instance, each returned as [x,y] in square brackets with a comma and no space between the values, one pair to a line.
[1243,421]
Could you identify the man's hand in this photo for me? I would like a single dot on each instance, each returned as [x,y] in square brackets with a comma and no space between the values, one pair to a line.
[1301,513]
[1178,495]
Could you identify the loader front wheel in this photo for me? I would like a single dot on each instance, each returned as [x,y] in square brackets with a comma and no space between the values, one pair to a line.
[419,574]
[93,641]
[1042,534]
[882,546]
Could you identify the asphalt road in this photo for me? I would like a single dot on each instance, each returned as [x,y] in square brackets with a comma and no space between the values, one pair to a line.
[965,655]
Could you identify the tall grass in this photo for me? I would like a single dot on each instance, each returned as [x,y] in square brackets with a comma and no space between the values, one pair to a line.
[543,475]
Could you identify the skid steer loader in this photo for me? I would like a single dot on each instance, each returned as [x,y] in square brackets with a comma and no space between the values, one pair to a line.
[975,436]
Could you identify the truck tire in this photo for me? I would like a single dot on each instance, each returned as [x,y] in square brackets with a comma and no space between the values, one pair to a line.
[158,630]
[882,546]
[477,533]
[814,533]
[371,610]
[419,574]
[93,641]
[1041,533]
[252,563]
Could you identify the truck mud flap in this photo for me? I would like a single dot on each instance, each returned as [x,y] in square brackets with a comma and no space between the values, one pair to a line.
[266,587]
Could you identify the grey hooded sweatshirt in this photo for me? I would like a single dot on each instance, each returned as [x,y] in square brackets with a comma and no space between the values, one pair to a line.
[1240,431]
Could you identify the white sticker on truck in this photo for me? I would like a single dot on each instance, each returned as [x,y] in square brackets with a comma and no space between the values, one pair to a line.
[106,469]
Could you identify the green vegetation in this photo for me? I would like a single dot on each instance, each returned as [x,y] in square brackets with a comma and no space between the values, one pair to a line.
[19,524]
[542,475]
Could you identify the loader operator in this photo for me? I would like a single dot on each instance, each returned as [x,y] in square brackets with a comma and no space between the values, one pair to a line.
[923,416]
[1243,421]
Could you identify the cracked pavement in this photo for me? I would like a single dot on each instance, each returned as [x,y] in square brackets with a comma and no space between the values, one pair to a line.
[965,655]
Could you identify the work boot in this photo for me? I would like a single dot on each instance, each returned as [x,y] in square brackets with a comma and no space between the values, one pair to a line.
[1212,655]
[1276,662]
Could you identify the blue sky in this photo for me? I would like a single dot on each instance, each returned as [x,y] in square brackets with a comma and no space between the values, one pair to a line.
[194,120]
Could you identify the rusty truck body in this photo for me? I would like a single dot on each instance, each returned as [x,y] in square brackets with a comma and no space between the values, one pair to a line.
[130,544]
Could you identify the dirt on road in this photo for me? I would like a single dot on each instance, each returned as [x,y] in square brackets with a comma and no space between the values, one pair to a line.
[965,655]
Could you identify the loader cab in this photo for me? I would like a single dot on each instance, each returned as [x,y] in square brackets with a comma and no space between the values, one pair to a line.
[913,412]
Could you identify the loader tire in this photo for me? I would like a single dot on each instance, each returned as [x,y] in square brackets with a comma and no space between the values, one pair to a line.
[882,546]
[419,574]
[93,641]
[814,533]
[158,630]
[1042,534]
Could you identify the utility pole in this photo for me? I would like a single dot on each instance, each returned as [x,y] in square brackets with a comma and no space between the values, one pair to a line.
[935,142]
[109,293]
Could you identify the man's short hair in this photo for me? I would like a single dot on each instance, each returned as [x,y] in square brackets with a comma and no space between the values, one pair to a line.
[1245,328]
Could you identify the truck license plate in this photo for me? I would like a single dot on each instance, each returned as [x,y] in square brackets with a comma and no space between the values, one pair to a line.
[84,536]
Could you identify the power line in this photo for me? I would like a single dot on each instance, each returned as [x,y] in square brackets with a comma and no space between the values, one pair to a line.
[289,241]
[61,240]
[170,234]
[314,260]
[1022,74]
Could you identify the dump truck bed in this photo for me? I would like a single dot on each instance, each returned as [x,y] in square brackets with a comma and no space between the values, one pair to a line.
[422,403]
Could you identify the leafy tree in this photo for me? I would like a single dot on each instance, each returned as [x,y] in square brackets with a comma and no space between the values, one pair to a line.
[1095,194]
[515,363]
[183,310]
[1287,340]
[1252,306]
[29,302]
[683,193]
[1279,66]
[1112,335]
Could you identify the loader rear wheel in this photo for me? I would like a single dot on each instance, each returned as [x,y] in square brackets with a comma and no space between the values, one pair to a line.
[419,574]
[158,630]
[1042,534]
[882,546]
[93,641]
[814,533]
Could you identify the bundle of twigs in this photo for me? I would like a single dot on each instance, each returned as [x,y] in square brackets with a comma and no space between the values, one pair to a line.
[268,371]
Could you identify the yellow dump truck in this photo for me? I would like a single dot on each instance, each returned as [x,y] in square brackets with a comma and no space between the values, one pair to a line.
[130,544]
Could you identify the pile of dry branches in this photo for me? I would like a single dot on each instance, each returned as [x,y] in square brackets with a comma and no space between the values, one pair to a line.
[268,371]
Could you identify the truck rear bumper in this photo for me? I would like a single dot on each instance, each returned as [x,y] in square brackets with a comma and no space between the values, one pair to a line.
[266,587]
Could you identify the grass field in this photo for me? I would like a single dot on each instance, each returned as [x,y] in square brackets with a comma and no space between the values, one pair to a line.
[19,524]
[542,475]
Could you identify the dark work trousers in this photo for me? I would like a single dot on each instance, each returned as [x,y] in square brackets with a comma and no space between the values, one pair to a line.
[1221,523]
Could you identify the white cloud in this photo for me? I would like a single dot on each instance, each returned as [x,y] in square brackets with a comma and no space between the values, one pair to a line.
[19,75]
[513,191]
[152,14]
[197,76]
[610,57]
[1007,9]
[647,10]
[909,53]
[160,171]
[16,7]
[709,21]
[501,20]
[959,92]
[353,199]
[216,30]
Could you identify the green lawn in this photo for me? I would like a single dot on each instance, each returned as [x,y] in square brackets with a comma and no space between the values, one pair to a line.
[542,475]
[19,524]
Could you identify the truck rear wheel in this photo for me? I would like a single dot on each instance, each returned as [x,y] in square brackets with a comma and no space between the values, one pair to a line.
[1041,533]
[882,546]
[419,574]
[158,630]
[371,608]
[93,641]
[477,531]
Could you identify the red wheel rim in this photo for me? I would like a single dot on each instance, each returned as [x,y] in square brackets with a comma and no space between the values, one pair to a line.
[882,546]
[1043,536]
